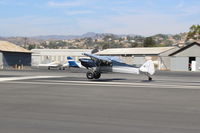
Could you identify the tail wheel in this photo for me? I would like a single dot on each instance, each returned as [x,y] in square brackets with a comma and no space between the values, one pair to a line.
[90,75]
[150,79]
[97,75]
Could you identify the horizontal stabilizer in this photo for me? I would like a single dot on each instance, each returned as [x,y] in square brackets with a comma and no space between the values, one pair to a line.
[148,67]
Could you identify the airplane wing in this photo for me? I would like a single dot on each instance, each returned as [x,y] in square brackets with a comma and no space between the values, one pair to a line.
[92,56]
[103,58]
[52,64]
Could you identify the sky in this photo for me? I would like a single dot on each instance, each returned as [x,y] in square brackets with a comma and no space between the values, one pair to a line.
[76,17]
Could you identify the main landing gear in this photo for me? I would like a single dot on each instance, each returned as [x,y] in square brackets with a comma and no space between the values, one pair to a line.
[93,75]
[149,77]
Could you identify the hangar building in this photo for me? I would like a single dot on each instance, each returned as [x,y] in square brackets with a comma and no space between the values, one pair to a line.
[186,58]
[60,55]
[12,55]
[135,56]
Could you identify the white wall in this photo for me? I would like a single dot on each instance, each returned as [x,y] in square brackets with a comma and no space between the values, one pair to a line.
[198,63]
[1,60]
[59,55]
[179,64]
[138,60]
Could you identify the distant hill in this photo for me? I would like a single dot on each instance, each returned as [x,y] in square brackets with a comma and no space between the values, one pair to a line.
[159,38]
[54,37]
[63,37]
[92,35]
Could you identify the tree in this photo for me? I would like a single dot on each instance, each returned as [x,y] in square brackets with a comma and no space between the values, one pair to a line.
[194,32]
[129,38]
[135,44]
[105,46]
[88,42]
[110,37]
[149,42]
[31,46]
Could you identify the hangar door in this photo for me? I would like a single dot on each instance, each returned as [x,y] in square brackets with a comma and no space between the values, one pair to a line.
[14,58]
[1,60]
[198,63]
[179,64]
[138,61]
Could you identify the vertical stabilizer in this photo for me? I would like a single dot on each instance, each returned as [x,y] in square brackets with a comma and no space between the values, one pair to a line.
[72,62]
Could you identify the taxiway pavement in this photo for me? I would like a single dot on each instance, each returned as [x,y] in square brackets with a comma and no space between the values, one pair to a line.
[66,102]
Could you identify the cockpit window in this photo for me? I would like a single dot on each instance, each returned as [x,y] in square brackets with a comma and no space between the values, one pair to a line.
[105,63]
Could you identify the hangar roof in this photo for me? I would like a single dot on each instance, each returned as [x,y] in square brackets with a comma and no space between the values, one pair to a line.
[61,50]
[71,52]
[10,47]
[187,47]
[135,51]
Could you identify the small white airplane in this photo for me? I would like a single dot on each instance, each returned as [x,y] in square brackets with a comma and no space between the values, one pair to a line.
[51,65]
[70,63]
[102,64]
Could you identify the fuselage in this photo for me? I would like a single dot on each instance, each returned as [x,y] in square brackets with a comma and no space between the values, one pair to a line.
[113,66]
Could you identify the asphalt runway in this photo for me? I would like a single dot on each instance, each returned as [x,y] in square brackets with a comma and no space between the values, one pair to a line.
[53,101]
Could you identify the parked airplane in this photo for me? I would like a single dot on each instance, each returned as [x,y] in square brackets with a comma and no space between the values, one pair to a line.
[51,65]
[70,63]
[101,64]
